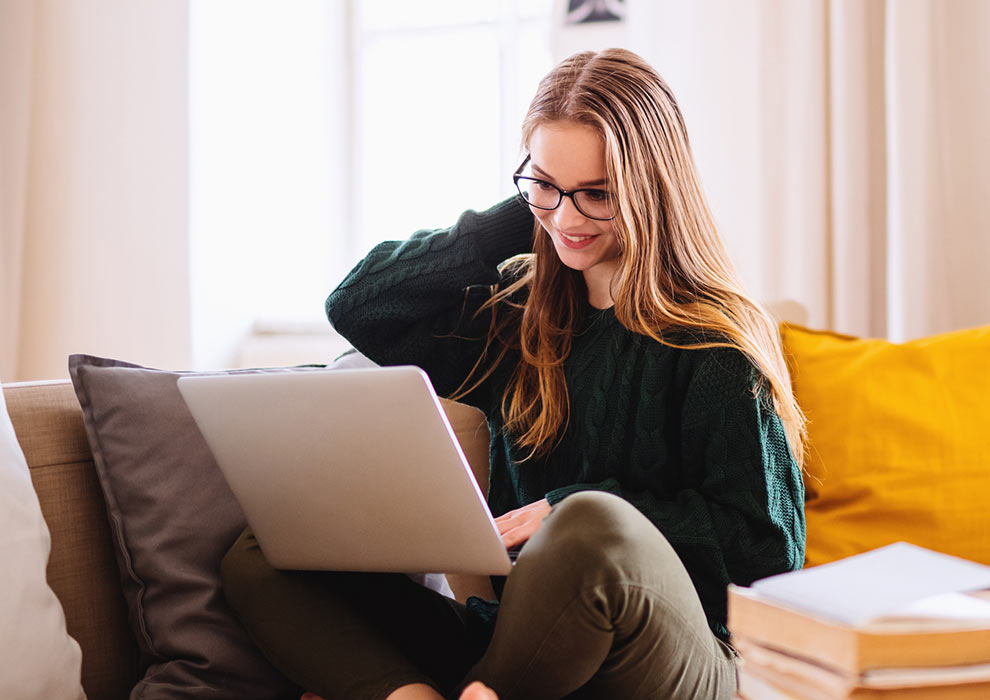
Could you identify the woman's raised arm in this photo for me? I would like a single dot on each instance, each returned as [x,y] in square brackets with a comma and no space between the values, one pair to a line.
[414,301]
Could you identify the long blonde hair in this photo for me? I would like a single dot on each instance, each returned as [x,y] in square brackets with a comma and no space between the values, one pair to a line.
[674,271]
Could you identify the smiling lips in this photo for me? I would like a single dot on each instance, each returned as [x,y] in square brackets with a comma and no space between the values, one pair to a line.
[576,241]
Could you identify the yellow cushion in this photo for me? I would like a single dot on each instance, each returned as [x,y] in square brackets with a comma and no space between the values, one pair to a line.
[899,441]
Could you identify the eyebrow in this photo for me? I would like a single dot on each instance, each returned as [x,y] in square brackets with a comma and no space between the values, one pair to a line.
[581,185]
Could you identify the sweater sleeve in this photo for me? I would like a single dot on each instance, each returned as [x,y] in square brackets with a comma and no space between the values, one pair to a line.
[413,301]
[739,514]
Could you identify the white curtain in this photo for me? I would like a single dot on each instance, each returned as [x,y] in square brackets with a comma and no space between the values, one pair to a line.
[16,33]
[845,147]
[93,183]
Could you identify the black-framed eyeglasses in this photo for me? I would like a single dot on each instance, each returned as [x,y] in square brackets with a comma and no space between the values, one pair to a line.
[595,204]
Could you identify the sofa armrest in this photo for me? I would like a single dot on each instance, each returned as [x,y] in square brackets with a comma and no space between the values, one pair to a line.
[82,570]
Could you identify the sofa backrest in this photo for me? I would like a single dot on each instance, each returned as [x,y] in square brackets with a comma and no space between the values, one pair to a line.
[81,570]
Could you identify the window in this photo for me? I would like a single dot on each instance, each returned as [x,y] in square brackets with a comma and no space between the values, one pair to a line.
[440,92]
[318,128]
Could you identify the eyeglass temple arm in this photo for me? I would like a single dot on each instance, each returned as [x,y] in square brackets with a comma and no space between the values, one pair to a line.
[522,165]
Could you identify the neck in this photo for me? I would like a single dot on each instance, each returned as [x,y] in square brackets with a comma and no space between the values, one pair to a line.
[599,283]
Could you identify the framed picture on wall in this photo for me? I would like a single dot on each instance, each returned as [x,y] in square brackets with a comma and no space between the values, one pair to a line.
[587,11]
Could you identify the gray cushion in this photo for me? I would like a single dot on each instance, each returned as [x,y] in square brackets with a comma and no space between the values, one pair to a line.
[173,518]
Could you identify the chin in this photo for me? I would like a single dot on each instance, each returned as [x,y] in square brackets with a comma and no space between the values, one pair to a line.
[573,260]
[603,249]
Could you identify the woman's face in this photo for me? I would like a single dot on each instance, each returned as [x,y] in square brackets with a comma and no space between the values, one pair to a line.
[572,156]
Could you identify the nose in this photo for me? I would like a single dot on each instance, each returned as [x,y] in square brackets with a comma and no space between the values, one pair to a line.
[566,215]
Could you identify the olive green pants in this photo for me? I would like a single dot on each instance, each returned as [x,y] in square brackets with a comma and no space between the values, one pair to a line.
[598,605]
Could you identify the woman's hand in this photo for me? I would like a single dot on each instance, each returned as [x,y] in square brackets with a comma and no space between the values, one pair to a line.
[478,691]
[517,526]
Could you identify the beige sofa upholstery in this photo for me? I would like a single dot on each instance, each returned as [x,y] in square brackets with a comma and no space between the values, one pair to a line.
[82,569]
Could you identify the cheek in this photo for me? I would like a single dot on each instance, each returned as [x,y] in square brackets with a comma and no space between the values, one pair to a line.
[605,227]
[544,217]
[615,246]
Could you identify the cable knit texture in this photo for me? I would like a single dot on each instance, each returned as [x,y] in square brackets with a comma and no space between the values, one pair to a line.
[683,435]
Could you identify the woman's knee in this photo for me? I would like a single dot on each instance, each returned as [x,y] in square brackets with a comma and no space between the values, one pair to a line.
[599,518]
[595,521]
[602,531]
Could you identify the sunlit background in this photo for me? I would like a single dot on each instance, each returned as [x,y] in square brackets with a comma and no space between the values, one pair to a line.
[319,129]
[183,183]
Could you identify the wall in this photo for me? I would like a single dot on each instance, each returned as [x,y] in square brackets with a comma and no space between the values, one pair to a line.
[104,267]
[594,36]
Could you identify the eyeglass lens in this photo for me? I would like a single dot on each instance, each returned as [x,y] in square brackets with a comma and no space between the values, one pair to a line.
[595,204]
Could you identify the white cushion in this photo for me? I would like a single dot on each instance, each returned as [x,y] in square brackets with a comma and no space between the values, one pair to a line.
[38,658]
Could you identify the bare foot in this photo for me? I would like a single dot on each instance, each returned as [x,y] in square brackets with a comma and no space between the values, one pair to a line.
[478,691]
[475,691]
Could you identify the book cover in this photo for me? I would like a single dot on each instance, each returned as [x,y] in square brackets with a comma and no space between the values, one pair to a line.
[886,643]
[874,584]
[899,606]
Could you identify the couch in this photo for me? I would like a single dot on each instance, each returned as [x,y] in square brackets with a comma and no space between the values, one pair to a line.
[82,569]
[897,452]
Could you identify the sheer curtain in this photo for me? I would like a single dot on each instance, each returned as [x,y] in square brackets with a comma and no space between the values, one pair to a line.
[93,183]
[844,146]
[16,35]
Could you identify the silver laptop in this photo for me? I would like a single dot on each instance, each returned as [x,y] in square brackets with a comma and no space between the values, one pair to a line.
[348,470]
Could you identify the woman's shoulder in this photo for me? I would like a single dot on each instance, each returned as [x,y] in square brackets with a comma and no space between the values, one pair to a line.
[694,343]
[699,353]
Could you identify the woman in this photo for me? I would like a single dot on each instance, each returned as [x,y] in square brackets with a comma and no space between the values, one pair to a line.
[645,443]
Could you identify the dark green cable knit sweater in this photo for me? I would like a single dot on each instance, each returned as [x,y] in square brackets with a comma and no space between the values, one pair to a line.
[680,434]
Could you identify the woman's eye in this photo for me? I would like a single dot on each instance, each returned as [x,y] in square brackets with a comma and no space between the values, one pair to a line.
[545,186]
[597,195]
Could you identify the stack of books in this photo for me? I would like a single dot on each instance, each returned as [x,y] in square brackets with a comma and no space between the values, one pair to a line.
[898,622]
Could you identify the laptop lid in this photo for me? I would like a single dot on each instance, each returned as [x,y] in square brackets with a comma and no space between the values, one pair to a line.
[347,470]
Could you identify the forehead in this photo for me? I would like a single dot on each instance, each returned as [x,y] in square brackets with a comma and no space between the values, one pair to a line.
[567,152]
